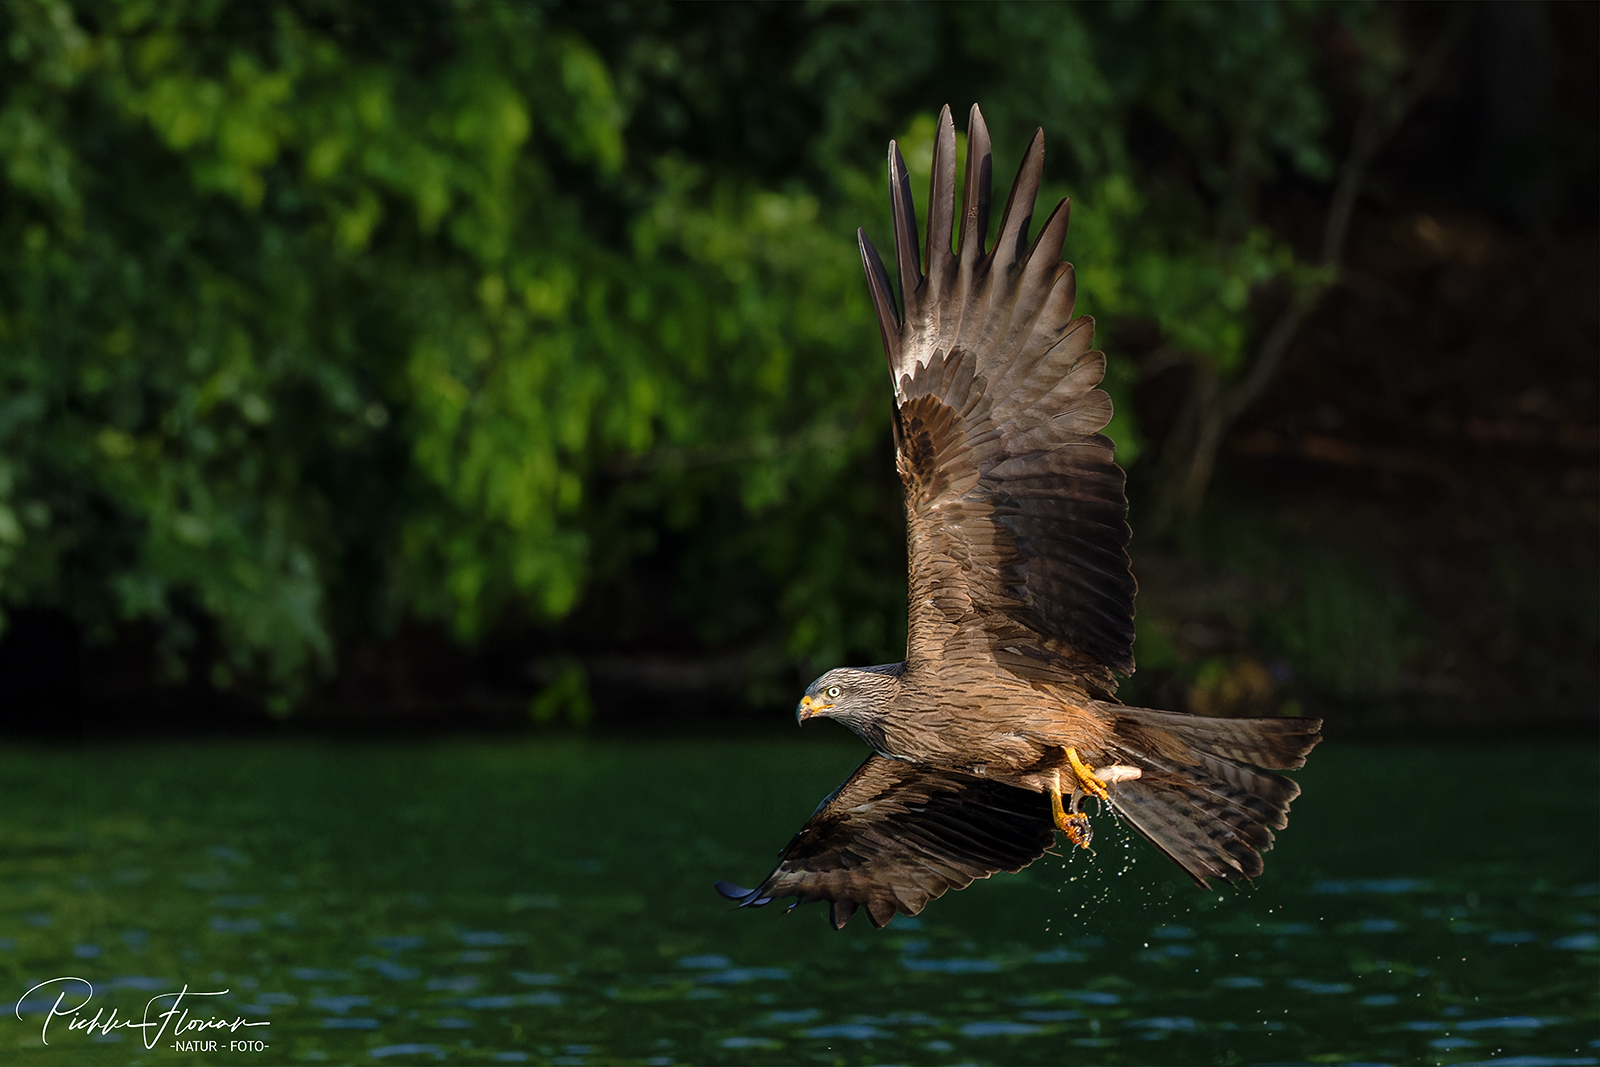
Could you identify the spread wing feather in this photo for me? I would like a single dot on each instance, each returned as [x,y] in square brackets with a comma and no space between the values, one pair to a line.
[895,836]
[1017,519]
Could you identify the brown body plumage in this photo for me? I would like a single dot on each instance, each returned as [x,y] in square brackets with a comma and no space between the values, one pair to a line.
[1021,597]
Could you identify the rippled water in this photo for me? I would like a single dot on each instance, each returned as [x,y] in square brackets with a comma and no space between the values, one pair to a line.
[551,902]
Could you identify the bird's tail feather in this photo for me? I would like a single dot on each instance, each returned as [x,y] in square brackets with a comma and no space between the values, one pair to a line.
[1204,796]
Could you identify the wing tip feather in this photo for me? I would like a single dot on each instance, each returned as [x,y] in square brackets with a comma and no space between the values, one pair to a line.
[881,291]
[734,892]
[907,253]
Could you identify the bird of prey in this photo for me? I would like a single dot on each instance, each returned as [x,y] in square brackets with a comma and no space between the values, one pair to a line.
[1002,721]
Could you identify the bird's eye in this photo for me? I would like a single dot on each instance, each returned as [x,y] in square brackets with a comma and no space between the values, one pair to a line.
[833,692]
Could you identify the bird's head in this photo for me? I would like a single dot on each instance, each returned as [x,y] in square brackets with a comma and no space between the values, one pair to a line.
[850,693]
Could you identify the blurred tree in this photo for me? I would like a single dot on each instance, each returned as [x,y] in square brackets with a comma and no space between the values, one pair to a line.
[1225,379]
[316,316]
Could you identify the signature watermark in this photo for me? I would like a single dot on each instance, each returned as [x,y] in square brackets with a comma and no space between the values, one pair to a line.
[185,1028]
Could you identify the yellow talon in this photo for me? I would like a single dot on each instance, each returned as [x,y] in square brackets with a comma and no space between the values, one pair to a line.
[1074,824]
[1086,778]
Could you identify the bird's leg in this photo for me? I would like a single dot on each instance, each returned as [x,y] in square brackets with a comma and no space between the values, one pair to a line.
[1089,782]
[1074,823]
[1086,776]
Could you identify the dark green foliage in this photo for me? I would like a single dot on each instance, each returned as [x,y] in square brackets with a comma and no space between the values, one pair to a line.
[315,318]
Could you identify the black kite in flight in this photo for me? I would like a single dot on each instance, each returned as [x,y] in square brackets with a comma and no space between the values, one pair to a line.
[1021,598]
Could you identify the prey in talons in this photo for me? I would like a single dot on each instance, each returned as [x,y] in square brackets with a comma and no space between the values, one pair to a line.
[1088,782]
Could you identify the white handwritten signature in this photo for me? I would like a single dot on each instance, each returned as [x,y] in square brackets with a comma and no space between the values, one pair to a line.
[176,1016]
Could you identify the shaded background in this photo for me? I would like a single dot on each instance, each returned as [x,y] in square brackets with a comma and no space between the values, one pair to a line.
[485,364]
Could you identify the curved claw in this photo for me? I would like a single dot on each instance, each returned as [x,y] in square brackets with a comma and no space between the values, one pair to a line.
[1086,776]
[1075,824]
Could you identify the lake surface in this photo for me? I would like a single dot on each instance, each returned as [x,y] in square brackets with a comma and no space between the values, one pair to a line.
[550,901]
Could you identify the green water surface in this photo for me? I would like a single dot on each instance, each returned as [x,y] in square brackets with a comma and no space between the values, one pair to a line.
[550,901]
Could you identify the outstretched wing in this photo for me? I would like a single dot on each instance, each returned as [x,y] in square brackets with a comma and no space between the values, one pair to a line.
[895,836]
[1017,517]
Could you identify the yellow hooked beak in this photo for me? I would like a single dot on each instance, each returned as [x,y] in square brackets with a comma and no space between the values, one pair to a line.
[809,708]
